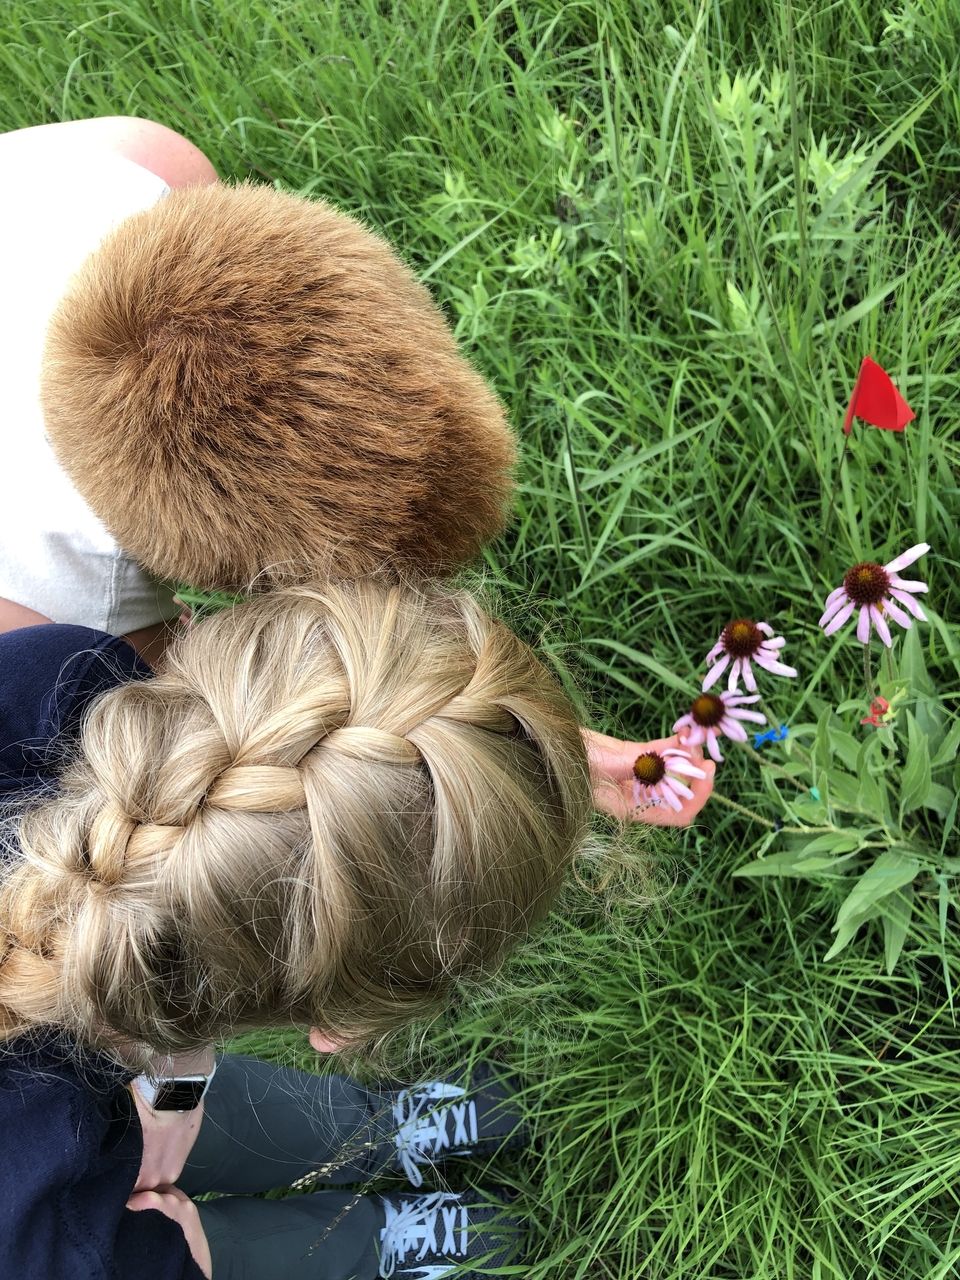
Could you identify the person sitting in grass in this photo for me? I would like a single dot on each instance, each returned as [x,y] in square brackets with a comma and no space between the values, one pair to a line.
[333,805]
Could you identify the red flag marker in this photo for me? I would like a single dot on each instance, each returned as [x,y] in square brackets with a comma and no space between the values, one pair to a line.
[876,400]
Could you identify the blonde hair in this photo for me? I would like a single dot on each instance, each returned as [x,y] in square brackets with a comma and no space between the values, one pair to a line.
[334,803]
[246,384]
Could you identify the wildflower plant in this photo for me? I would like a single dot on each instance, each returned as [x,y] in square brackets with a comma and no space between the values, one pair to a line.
[865,795]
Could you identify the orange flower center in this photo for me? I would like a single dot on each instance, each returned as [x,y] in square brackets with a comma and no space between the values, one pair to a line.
[707,710]
[649,768]
[866,583]
[741,638]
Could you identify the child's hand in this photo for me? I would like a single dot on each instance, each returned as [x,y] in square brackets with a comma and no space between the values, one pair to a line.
[611,767]
[168,1138]
[179,1208]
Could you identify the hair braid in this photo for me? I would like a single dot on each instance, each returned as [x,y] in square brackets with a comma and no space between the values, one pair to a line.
[334,802]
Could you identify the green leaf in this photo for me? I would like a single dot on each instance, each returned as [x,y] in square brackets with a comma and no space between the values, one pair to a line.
[834,842]
[911,662]
[822,750]
[808,811]
[854,704]
[915,780]
[636,659]
[848,931]
[859,179]
[939,799]
[945,631]
[948,823]
[871,790]
[927,708]
[897,911]
[846,747]
[844,788]
[792,862]
[947,750]
[889,872]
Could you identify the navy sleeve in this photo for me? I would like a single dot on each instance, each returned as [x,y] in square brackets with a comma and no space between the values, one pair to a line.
[49,675]
[72,1147]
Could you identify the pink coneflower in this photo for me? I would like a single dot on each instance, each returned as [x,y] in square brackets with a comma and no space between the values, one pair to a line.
[654,783]
[745,641]
[874,590]
[714,715]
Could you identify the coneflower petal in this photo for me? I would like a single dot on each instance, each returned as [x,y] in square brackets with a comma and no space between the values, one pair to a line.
[863,624]
[716,672]
[836,594]
[741,713]
[713,746]
[734,675]
[907,557]
[911,604]
[748,677]
[672,800]
[908,584]
[833,608]
[771,646]
[880,622]
[897,614]
[678,787]
[684,767]
[839,618]
[765,627]
[775,668]
[733,730]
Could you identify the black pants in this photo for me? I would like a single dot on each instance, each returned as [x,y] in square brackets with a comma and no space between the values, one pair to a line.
[267,1126]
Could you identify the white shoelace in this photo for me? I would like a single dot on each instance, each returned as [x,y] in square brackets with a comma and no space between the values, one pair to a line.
[413,1229]
[421,1138]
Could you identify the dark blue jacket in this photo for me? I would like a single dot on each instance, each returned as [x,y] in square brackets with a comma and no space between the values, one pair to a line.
[70,1136]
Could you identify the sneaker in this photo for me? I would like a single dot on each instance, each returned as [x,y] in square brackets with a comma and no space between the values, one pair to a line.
[447,1118]
[440,1234]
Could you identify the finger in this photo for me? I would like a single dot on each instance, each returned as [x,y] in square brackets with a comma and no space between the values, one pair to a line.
[146,1200]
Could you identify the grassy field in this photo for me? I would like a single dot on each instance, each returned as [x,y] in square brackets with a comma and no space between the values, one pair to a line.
[667,233]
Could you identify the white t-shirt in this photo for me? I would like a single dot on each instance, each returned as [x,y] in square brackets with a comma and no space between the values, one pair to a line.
[55,555]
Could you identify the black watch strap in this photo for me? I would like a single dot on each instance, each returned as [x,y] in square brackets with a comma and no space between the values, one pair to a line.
[179,1095]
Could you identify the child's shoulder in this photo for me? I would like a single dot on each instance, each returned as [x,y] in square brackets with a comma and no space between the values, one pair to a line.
[49,675]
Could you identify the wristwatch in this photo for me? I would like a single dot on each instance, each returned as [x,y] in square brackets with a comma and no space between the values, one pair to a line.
[173,1093]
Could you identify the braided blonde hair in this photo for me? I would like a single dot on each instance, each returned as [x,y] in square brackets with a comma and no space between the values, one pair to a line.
[333,803]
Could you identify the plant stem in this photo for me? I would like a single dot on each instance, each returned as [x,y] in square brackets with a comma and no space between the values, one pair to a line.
[772,826]
[868,673]
[741,808]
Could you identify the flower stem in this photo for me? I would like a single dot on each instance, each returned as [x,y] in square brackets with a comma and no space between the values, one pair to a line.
[742,808]
[868,673]
[758,817]
[791,830]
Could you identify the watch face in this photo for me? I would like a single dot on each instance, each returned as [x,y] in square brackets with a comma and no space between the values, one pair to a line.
[179,1095]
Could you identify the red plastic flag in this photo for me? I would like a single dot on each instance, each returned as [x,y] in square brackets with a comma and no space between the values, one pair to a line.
[876,400]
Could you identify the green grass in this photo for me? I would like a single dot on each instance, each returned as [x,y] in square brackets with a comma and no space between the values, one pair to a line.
[669,256]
